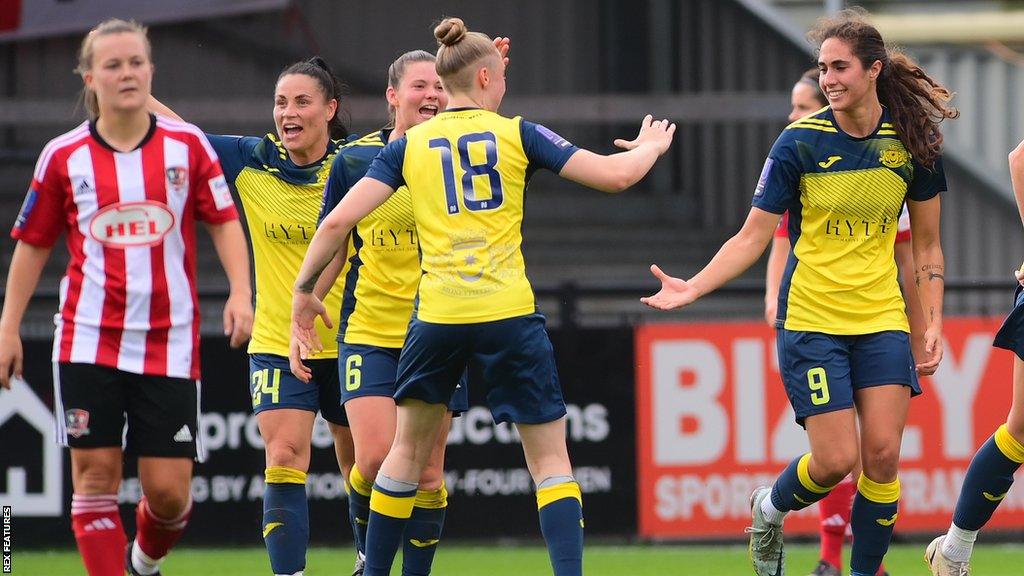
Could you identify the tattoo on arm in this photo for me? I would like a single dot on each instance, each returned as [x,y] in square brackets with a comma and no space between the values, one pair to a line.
[934,271]
[306,287]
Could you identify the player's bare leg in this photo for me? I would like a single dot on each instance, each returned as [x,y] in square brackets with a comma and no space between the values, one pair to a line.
[162,514]
[883,415]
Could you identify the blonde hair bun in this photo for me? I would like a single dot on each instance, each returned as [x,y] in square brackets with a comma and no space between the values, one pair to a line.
[450,31]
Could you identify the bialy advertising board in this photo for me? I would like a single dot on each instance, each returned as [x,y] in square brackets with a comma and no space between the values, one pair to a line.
[714,423]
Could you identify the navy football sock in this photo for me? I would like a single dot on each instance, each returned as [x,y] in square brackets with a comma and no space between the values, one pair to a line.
[988,480]
[560,507]
[285,519]
[423,532]
[872,521]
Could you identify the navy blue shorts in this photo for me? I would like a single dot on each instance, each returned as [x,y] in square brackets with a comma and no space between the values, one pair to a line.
[512,358]
[821,371]
[1011,334]
[273,386]
[371,371]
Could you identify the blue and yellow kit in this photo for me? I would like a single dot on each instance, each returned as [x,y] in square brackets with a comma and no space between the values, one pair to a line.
[469,226]
[844,196]
[384,268]
[281,202]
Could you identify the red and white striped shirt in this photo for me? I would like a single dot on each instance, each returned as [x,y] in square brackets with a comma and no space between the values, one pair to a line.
[128,299]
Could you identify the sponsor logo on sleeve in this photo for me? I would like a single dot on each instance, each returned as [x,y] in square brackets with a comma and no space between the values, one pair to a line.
[762,180]
[552,137]
[221,193]
[26,209]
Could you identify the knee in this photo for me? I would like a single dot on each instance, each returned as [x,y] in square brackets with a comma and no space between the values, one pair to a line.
[1015,426]
[369,462]
[96,478]
[287,453]
[168,501]
[432,477]
[880,463]
[833,466]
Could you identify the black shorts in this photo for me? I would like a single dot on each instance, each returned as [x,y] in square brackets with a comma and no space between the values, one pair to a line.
[93,402]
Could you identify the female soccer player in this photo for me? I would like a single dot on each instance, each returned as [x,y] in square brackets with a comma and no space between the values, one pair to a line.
[381,286]
[127,187]
[834,510]
[990,474]
[280,182]
[466,171]
[843,174]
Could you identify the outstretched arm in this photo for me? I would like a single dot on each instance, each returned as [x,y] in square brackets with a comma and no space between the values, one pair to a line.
[733,258]
[157,107]
[330,240]
[616,172]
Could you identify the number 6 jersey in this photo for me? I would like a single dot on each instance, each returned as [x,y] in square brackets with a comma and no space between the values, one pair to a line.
[467,170]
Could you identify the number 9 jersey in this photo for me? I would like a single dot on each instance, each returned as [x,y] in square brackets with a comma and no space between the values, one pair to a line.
[467,171]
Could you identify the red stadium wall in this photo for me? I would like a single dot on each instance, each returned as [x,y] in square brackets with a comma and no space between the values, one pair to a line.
[713,422]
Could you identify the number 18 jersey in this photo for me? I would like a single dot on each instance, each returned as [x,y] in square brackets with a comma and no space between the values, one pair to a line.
[467,171]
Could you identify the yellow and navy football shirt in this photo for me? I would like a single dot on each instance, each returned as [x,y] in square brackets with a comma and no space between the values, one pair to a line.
[844,197]
[281,202]
[467,170]
[384,260]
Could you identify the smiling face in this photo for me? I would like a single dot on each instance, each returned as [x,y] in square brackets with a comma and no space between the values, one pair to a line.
[301,114]
[120,72]
[845,81]
[418,96]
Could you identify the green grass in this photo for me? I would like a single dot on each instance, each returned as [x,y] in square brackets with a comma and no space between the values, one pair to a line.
[903,560]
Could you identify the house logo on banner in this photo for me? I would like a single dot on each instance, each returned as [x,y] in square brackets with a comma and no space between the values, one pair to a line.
[714,423]
[22,402]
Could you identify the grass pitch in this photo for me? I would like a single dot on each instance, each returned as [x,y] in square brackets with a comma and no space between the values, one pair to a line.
[636,560]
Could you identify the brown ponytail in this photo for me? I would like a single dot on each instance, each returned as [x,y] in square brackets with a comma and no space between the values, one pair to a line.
[916,102]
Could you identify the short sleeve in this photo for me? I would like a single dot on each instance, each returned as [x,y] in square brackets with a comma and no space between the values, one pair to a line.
[779,183]
[927,183]
[903,226]
[42,217]
[782,230]
[335,188]
[213,197]
[387,166]
[544,148]
[232,151]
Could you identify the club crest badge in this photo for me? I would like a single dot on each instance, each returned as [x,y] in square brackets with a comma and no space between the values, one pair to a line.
[894,156]
[77,422]
[177,177]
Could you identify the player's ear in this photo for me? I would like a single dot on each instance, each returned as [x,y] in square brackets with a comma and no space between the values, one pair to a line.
[391,95]
[483,76]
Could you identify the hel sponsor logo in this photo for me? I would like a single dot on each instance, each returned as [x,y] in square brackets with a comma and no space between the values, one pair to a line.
[77,422]
[131,224]
[762,180]
[26,208]
[221,193]
[177,177]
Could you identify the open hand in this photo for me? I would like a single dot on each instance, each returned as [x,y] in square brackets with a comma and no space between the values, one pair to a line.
[657,133]
[674,293]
